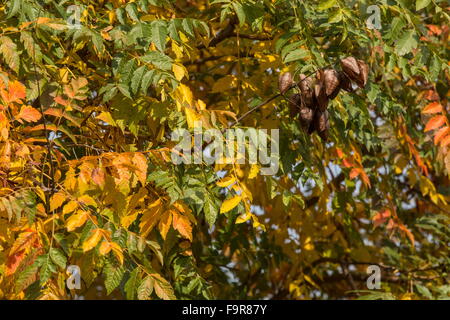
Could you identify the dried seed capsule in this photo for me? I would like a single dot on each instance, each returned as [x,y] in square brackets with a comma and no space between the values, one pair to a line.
[363,73]
[306,116]
[351,68]
[294,104]
[322,124]
[344,82]
[320,95]
[331,79]
[306,87]
[285,82]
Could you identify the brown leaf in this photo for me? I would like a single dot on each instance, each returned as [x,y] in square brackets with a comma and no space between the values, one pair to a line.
[285,82]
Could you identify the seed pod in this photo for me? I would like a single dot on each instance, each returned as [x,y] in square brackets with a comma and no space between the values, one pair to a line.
[331,79]
[285,82]
[306,116]
[320,95]
[344,82]
[351,68]
[363,73]
[321,124]
[294,104]
[306,87]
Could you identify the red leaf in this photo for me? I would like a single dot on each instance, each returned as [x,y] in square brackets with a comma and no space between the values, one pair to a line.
[435,123]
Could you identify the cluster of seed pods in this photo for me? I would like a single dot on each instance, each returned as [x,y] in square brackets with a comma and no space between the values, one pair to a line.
[317,90]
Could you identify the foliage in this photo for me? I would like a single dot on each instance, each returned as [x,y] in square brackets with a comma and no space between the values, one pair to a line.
[86,178]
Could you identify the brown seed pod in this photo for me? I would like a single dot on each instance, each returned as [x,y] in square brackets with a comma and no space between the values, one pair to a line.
[351,68]
[320,95]
[285,82]
[331,79]
[344,82]
[294,104]
[306,116]
[322,124]
[363,74]
[306,87]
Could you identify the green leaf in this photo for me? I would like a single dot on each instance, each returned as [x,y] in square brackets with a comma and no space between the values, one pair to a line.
[58,257]
[239,12]
[114,276]
[295,55]
[131,285]
[136,79]
[158,59]
[326,4]
[335,16]
[420,4]
[47,269]
[13,8]
[145,289]
[210,210]
[159,34]
[132,11]
[406,43]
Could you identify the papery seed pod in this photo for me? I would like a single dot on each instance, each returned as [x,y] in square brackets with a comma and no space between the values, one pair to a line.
[306,116]
[351,68]
[320,95]
[322,124]
[331,79]
[363,73]
[285,82]
[294,104]
[306,87]
[344,82]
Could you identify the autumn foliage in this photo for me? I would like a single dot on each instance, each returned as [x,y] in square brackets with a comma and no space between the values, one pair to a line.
[86,177]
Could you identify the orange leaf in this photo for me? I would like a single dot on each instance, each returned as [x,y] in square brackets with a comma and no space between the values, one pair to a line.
[13,262]
[435,123]
[381,217]
[164,223]
[441,134]
[16,92]
[182,225]
[354,173]
[446,141]
[434,107]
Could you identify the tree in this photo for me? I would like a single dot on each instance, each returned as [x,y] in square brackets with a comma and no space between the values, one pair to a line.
[91,92]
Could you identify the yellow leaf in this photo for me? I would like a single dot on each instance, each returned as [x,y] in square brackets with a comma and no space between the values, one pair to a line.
[76,220]
[93,240]
[56,201]
[70,207]
[225,182]
[164,223]
[179,71]
[230,204]
[150,217]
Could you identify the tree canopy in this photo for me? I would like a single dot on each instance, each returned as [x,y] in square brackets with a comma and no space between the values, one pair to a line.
[92,91]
